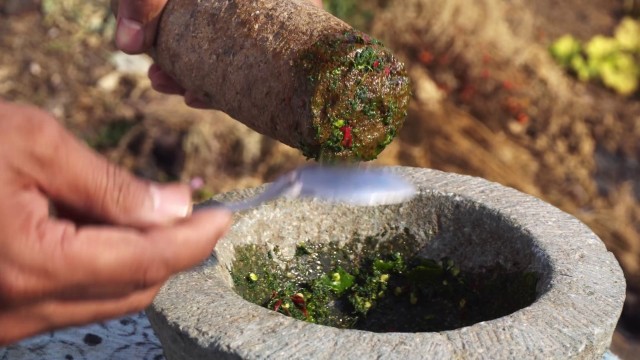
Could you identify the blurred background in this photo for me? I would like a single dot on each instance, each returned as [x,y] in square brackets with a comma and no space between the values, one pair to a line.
[541,96]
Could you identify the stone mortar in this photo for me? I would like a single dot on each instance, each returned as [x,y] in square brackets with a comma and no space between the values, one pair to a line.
[197,315]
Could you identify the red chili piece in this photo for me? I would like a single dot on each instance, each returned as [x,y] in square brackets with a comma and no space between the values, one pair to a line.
[347,137]
[376,64]
[387,71]
[425,57]
[523,118]
[299,302]
[276,307]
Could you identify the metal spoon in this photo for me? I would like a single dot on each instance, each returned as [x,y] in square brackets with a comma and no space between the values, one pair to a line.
[339,184]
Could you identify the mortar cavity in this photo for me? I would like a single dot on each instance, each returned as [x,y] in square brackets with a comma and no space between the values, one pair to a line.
[438,263]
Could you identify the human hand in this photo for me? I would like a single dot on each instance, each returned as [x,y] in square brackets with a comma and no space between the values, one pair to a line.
[61,271]
[137,22]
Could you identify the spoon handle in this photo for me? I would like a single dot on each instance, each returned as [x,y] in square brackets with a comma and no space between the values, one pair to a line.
[286,185]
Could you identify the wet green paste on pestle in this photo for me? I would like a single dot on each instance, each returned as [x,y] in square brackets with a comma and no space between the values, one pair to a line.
[360,94]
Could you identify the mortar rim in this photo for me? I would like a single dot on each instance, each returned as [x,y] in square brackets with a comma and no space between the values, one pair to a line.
[532,319]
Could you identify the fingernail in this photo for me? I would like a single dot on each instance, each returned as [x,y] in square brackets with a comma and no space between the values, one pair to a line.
[163,86]
[195,102]
[154,69]
[170,202]
[129,36]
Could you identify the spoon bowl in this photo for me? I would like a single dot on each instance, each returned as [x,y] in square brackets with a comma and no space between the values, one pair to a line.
[339,184]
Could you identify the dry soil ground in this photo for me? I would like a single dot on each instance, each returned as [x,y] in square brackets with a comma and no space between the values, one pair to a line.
[488,101]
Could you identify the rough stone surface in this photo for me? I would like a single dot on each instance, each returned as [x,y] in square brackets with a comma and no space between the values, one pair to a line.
[198,315]
[250,59]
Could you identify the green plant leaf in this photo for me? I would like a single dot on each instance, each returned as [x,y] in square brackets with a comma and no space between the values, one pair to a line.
[600,47]
[395,264]
[621,74]
[628,34]
[564,49]
[339,281]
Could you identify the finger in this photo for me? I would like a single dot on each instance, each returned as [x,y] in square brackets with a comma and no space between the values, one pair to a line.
[147,258]
[25,321]
[317,3]
[137,22]
[162,82]
[195,102]
[78,217]
[88,183]
[105,261]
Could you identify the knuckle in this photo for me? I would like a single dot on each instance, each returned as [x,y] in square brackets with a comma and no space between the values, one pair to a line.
[153,274]
[141,302]
[47,136]
[116,193]
[141,10]
[12,290]
[38,122]
[6,290]
[11,332]
[25,120]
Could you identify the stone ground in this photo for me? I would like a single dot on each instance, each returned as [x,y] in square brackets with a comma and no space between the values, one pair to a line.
[487,101]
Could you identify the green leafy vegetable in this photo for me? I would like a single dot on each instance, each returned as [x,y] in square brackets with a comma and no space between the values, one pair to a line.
[564,49]
[339,281]
[383,288]
[628,35]
[612,60]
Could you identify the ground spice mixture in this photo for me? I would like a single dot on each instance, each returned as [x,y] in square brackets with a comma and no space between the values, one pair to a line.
[378,286]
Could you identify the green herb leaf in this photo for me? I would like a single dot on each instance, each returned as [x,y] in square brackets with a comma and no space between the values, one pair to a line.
[339,281]
[564,49]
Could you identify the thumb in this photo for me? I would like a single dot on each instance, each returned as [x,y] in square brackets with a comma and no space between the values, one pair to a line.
[137,22]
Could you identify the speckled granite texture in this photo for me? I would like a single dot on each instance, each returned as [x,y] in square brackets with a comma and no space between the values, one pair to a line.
[198,315]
